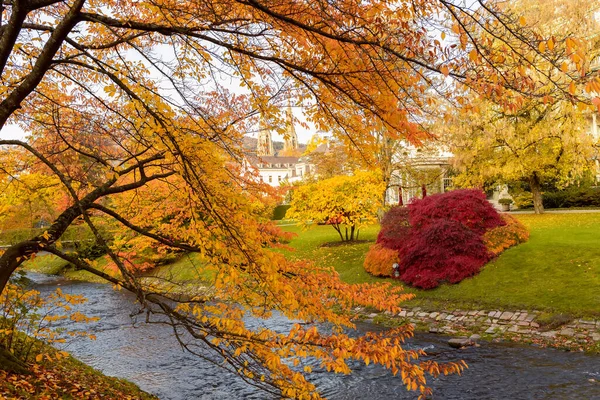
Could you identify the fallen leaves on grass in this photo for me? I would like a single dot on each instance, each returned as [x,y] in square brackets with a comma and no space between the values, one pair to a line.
[65,379]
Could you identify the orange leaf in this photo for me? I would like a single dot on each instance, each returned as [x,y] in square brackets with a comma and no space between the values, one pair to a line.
[473,55]
[572,88]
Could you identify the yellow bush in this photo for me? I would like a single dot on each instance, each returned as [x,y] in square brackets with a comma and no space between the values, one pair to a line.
[502,237]
[379,260]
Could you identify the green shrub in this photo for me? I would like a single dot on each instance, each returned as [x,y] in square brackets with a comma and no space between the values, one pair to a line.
[280,211]
[572,197]
[523,200]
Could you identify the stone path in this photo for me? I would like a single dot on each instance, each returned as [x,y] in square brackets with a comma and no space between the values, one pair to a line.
[519,325]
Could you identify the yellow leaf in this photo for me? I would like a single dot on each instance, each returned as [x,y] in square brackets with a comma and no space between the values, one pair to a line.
[551,44]
[542,47]
[564,67]
[39,358]
[473,55]
[522,21]
[443,35]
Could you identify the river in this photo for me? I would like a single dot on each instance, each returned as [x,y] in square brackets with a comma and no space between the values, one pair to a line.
[149,356]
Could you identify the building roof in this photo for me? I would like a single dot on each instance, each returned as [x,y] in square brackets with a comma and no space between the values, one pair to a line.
[278,160]
[271,160]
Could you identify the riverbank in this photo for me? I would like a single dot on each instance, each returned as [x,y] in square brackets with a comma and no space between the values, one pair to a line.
[541,328]
[67,378]
[521,326]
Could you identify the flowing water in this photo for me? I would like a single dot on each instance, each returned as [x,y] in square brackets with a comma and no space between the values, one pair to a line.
[150,356]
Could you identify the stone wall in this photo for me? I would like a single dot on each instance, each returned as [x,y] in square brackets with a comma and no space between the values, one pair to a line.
[522,325]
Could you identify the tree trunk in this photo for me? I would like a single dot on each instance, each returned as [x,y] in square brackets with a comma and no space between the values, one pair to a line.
[536,191]
[339,231]
[11,259]
[10,363]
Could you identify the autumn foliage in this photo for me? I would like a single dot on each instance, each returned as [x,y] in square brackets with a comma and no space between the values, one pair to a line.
[468,207]
[442,238]
[153,146]
[379,260]
[503,237]
[345,202]
[442,251]
[395,228]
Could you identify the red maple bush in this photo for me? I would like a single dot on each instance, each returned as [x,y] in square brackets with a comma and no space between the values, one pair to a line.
[379,260]
[395,228]
[467,206]
[442,238]
[444,250]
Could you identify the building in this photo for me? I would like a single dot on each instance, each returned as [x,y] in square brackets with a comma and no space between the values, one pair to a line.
[419,172]
[274,169]
[276,166]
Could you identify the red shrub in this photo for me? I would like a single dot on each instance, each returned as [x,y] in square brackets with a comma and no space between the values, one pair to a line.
[379,260]
[395,228]
[467,206]
[502,237]
[441,251]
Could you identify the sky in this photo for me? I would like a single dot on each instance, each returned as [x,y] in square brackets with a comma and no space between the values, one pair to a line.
[11,132]
[165,54]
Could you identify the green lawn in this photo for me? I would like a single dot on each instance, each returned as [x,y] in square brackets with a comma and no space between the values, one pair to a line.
[557,270]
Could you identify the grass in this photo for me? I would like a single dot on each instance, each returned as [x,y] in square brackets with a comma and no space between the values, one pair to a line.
[347,258]
[53,265]
[186,268]
[557,270]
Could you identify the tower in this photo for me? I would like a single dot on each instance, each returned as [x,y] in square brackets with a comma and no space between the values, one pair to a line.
[290,137]
[265,144]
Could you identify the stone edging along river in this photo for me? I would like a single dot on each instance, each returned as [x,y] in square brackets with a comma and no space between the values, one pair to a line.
[518,326]
[149,356]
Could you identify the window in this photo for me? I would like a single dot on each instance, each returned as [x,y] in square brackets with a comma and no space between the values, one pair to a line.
[278,178]
[448,184]
[270,179]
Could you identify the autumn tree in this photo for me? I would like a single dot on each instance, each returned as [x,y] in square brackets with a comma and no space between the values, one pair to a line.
[544,137]
[537,145]
[332,158]
[130,101]
[346,202]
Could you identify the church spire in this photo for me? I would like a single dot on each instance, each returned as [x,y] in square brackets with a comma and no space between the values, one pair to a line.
[290,137]
[265,143]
